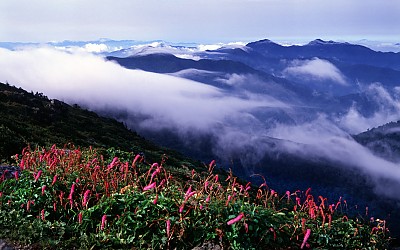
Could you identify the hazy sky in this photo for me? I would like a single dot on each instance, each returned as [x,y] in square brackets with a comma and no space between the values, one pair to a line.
[198,20]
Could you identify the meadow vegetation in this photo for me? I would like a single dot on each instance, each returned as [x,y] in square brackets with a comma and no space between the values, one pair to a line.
[72,198]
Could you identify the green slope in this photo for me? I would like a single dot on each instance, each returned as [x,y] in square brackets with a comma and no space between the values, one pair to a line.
[33,119]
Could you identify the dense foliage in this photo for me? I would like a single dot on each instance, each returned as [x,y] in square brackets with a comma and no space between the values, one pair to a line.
[32,119]
[71,198]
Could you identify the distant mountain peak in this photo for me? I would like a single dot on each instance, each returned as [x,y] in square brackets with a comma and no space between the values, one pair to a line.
[262,42]
[322,42]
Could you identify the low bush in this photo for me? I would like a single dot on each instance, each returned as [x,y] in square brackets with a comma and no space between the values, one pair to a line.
[78,199]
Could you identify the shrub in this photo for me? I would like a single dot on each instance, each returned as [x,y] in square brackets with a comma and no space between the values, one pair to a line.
[72,198]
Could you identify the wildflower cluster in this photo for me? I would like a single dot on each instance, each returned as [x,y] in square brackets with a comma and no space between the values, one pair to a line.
[76,198]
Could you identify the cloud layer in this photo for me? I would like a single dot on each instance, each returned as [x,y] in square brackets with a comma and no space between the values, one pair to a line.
[317,69]
[83,78]
[387,110]
[240,123]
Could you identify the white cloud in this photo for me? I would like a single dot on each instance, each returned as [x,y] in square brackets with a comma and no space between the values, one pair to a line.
[204,47]
[89,47]
[188,56]
[235,79]
[316,68]
[321,138]
[392,130]
[388,110]
[186,73]
[96,48]
[80,77]
[397,91]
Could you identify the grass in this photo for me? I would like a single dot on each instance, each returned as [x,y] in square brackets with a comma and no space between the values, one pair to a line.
[70,198]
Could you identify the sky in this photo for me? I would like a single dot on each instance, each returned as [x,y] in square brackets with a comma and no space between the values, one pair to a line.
[198,20]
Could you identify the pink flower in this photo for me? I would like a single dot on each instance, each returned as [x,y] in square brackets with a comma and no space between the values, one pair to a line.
[103,222]
[16,175]
[42,214]
[308,191]
[273,231]
[272,192]
[43,189]
[205,185]
[303,223]
[21,164]
[55,207]
[61,196]
[37,176]
[312,213]
[181,208]
[190,195]
[374,229]
[168,222]
[212,163]
[162,183]
[136,159]
[150,186]
[54,180]
[157,171]
[306,236]
[188,191]
[263,185]
[114,161]
[125,169]
[156,199]
[80,218]
[234,220]
[85,198]
[228,200]
[208,199]
[216,178]
[71,192]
